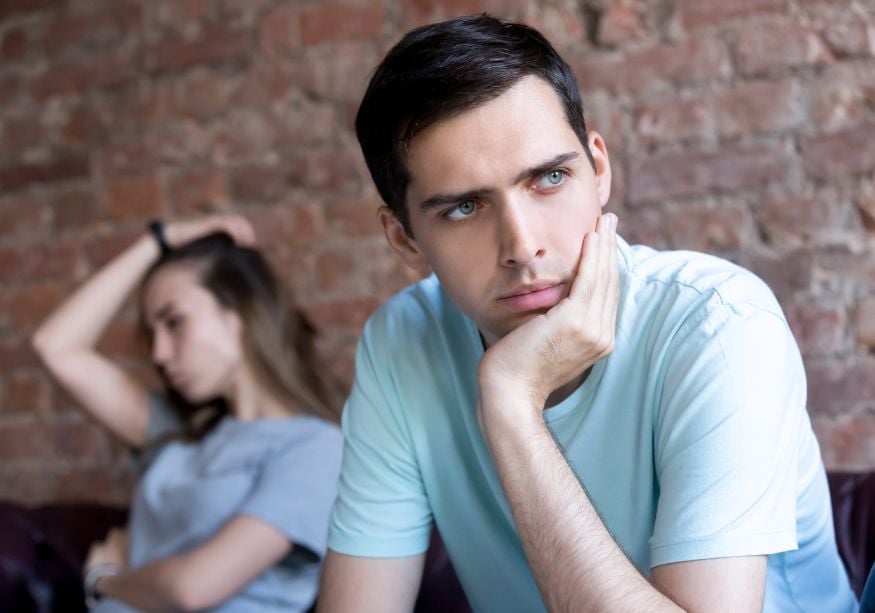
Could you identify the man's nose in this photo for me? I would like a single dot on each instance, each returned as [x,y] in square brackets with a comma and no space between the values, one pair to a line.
[519,240]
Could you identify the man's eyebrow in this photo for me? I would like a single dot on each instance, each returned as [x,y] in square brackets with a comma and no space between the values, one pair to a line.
[546,166]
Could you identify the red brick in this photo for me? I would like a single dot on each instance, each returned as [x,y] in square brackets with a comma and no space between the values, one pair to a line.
[759,107]
[303,122]
[336,268]
[347,314]
[106,484]
[711,228]
[11,87]
[843,269]
[16,353]
[620,24]
[699,172]
[210,46]
[19,441]
[15,44]
[847,442]
[296,224]
[266,82]
[21,216]
[101,249]
[21,133]
[832,156]
[174,144]
[795,218]
[865,321]
[704,13]
[561,25]
[765,49]
[20,7]
[693,61]
[26,391]
[866,205]
[853,36]
[97,30]
[820,330]
[86,124]
[259,183]
[788,275]
[201,94]
[279,32]
[331,23]
[842,95]
[58,169]
[198,191]
[355,219]
[176,15]
[244,133]
[419,12]
[673,120]
[48,261]
[75,208]
[124,339]
[28,484]
[29,304]
[338,72]
[135,198]
[98,70]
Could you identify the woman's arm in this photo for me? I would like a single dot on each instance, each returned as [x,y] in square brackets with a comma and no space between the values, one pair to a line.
[201,578]
[66,341]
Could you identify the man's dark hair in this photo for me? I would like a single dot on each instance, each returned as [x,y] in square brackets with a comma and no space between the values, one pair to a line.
[441,70]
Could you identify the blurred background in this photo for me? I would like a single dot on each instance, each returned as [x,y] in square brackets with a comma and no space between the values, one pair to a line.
[744,128]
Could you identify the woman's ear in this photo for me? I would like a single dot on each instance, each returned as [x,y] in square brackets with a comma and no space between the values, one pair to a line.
[403,243]
[602,166]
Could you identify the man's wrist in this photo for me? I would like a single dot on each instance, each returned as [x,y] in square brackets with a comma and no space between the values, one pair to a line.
[92,576]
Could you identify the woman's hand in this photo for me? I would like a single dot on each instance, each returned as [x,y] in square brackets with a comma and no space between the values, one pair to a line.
[111,551]
[178,233]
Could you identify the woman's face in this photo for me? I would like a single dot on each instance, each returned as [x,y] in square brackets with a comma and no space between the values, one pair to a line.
[196,342]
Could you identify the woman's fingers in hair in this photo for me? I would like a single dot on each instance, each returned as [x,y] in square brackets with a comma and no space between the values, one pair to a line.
[237,227]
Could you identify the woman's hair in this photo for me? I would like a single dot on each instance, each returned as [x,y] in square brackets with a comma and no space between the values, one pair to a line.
[277,339]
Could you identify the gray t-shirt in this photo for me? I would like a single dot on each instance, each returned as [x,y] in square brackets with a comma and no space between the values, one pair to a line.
[281,471]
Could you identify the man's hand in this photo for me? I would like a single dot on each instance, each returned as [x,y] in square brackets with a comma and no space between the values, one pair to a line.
[553,349]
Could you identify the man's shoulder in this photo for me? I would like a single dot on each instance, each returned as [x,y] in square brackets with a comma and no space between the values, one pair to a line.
[418,309]
[691,275]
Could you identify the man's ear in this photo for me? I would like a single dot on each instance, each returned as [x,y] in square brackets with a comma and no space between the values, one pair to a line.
[602,166]
[403,244]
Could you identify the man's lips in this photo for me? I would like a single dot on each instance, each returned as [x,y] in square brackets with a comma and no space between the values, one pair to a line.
[534,297]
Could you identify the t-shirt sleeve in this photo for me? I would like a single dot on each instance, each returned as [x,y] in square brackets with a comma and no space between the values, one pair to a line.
[382,509]
[727,437]
[295,488]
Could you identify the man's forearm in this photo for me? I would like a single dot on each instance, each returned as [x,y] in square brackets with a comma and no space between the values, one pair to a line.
[575,561]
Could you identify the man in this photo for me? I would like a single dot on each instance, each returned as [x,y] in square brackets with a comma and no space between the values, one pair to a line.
[591,426]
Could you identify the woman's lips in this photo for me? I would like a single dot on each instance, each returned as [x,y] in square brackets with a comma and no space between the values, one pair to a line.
[535,300]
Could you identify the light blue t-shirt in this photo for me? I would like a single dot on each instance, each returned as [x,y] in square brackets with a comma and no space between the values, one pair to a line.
[280,471]
[691,438]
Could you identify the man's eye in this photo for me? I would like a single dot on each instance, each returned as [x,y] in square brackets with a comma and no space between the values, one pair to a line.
[552,178]
[461,211]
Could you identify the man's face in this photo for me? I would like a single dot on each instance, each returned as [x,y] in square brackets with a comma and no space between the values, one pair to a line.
[499,200]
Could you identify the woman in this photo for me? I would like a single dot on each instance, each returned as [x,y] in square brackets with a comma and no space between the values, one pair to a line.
[240,451]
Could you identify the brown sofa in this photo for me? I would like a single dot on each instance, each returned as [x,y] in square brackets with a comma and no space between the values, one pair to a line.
[43,548]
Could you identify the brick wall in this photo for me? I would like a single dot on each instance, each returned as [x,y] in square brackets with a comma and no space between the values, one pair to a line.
[744,128]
